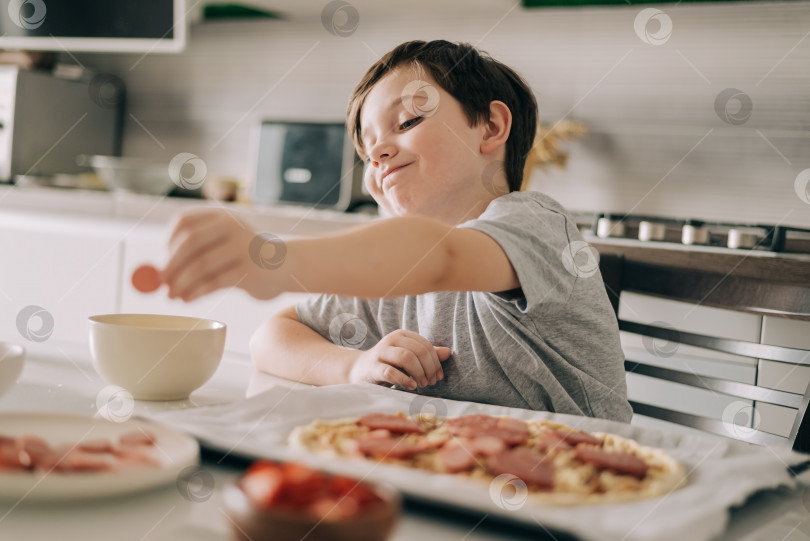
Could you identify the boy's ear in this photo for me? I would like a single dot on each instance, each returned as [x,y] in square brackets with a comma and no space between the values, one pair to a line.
[497,128]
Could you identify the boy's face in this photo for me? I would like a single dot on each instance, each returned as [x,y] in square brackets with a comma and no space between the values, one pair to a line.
[424,156]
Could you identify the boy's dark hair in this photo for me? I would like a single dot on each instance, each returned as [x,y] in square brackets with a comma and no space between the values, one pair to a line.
[471,77]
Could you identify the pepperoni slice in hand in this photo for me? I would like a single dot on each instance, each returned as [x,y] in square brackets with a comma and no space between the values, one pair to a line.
[146,279]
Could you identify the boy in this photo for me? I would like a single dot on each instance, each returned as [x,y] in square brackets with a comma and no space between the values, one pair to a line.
[470,291]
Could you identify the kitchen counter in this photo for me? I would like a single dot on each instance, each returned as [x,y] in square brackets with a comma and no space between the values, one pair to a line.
[61,379]
[146,209]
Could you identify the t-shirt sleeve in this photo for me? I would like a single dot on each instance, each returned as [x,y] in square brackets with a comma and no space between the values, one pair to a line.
[345,321]
[539,239]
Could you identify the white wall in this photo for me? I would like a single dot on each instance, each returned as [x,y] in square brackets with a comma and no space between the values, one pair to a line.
[656,143]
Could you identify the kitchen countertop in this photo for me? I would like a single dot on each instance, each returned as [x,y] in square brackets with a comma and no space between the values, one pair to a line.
[61,379]
[124,208]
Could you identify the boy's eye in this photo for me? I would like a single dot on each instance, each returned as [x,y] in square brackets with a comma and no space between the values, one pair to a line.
[408,123]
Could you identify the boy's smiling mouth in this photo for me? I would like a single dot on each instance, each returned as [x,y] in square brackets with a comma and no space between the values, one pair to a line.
[393,170]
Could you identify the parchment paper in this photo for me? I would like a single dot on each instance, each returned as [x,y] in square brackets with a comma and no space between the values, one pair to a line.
[722,472]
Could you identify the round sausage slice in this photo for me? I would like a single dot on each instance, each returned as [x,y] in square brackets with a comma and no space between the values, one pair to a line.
[393,423]
[529,466]
[619,462]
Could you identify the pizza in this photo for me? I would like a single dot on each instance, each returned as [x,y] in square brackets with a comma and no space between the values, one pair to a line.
[558,464]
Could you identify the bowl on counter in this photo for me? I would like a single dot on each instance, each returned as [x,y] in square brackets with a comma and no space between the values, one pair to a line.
[11,365]
[135,175]
[156,357]
[290,501]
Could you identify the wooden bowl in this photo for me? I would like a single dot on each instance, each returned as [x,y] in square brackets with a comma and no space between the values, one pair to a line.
[253,523]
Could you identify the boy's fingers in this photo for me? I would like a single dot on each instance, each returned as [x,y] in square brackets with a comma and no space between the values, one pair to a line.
[221,278]
[408,360]
[426,357]
[425,353]
[390,374]
[189,248]
[186,220]
[208,265]
[443,352]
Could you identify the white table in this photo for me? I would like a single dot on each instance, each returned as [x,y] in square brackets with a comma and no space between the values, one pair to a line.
[61,379]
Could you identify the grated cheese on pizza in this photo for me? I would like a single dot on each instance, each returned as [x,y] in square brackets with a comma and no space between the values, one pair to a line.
[558,464]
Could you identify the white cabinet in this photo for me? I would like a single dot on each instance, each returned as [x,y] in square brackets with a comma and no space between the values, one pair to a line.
[68,269]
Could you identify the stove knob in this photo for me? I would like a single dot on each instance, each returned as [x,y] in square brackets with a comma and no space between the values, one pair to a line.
[694,234]
[738,239]
[609,227]
[651,231]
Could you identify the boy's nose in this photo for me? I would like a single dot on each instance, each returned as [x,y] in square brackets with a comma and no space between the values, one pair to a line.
[381,152]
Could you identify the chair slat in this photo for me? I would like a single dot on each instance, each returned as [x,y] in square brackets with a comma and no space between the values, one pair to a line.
[730,388]
[735,347]
[705,424]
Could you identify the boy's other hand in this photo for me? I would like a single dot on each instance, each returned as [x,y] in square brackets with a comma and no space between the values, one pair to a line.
[401,358]
[210,250]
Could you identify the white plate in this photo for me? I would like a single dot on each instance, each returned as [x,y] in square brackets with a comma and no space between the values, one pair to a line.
[174,449]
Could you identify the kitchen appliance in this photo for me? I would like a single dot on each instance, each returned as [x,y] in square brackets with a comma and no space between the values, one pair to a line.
[142,26]
[761,237]
[308,163]
[47,121]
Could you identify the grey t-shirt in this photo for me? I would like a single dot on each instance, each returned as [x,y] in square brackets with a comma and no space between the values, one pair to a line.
[552,344]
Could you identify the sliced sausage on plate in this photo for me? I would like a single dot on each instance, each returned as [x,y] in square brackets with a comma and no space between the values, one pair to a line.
[529,466]
[392,423]
[619,462]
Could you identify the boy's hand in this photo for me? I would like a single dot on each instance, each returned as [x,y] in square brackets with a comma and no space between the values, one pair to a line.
[210,250]
[401,358]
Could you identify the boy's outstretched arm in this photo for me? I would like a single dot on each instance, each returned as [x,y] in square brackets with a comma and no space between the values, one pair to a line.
[398,256]
[409,255]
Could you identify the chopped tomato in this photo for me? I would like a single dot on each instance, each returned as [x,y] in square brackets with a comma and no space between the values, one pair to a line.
[300,488]
[263,484]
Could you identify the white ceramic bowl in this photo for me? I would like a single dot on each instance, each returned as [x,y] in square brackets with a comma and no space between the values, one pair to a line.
[156,357]
[11,364]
